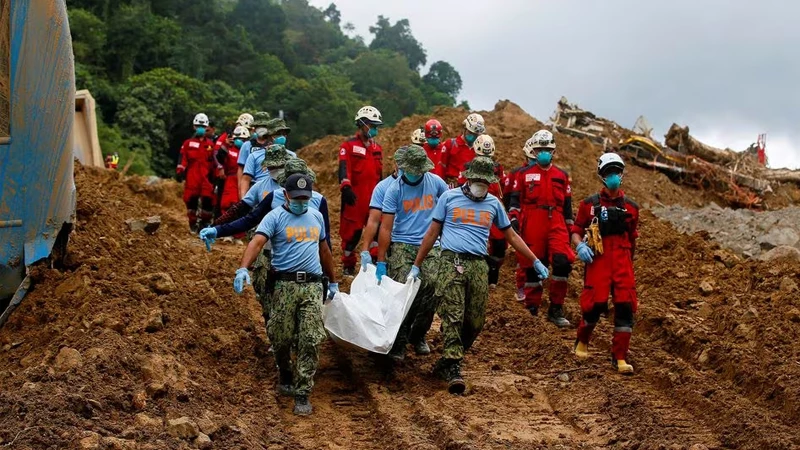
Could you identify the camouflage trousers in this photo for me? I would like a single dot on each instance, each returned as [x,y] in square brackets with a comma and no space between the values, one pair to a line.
[296,321]
[463,298]
[420,315]
[260,272]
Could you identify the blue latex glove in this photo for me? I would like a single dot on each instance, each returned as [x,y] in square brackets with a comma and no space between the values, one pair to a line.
[414,273]
[242,277]
[208,235]
[366,258]
[333,289]
[584,252]
[381,272]
[540,269]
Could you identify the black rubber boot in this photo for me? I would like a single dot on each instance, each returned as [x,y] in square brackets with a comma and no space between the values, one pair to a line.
[555,314]
[455,382]
[285,382]
[302,407]
[422,348]
[534,310]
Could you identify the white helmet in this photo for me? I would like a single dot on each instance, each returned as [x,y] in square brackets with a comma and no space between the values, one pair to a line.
[200,120]
[544,139]
[418,136]
[474,123]
[484,145]
[245,120]
[368,115]
[530,148]
[241,132]
[608,161]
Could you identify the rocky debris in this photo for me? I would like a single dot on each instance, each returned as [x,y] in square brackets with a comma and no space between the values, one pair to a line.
[208,423]
[794,315]
[67,359]
[155,321]
[162,373]
[113,443]
[764,235]
[142,420]
[788,285]
[149,225]
[139,400]
[202,441]
[89,441]
[706,288]
[562,377]
[183,428]
[160,283]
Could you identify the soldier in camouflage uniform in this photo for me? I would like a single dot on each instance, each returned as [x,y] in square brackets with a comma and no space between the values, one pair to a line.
[463,217]
[300,256]
[407,208]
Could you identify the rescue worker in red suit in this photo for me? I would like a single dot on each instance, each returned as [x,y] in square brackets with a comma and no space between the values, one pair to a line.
[198,165]
[433,141]
[484,146]
[228,155]
[457,152]
[609,273]
[541,208]
[360,170]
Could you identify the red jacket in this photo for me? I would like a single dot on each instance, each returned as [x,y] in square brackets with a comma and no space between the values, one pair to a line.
[198,162]
[434,154]
[456,153]
[228,155]
[360,165]
[220,141]
[542,188]
[624,232]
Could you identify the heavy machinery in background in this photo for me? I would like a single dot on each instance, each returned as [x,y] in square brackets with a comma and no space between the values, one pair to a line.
[37,110]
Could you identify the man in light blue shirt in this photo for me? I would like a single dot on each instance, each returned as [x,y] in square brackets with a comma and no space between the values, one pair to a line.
[369,247]
[275,132]
[407,211]
[297,286]
[463,217]
[260,119]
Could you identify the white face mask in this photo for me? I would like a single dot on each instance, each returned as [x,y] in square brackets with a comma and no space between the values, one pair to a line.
[478,189]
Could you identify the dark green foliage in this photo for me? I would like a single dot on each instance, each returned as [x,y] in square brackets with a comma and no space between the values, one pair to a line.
[153,64]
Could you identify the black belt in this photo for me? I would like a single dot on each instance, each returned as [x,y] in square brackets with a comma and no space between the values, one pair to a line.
[464,256]
[297,277]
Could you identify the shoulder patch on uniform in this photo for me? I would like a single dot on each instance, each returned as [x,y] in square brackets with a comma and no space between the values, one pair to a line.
[343,151]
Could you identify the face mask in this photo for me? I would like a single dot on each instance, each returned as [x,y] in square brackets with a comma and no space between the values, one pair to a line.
[470,138]
[199,131]
[254,135]
[280,140]
[373,132]
[544,158]
[238,143]
[613,181]
[298,206]
[412,178]
[275,173]
[478,189]
[433,142]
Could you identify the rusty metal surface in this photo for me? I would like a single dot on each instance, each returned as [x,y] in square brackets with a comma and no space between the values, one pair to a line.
[36,182]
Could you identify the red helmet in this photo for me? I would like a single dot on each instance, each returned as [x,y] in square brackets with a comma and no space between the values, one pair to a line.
[433,129]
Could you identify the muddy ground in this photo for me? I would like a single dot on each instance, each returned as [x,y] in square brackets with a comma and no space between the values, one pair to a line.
[140,330]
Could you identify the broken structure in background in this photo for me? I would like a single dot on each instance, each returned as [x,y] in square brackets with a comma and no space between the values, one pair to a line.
[740,177]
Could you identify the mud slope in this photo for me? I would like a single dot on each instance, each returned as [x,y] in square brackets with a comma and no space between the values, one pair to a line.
[86,363]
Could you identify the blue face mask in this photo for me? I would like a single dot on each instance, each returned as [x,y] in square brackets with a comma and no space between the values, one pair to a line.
[373,132]
[470,138]
[433,142]
[613,181]
[199,131]
[544,158]
[253,135]
[280,140]
[412,178]
[298,206]
[238,143]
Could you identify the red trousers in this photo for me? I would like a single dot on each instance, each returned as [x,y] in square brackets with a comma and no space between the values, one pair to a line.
[353,220]
[545,232]
[230,196]
[610,274]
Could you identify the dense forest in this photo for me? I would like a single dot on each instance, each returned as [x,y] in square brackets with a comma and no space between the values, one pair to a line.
[153,64]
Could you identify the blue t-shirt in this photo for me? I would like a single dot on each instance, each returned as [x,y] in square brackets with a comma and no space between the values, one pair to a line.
[466,223]
[260,190]
[413,207]
[253,167]
[376,202]
[295,239]
[244,152]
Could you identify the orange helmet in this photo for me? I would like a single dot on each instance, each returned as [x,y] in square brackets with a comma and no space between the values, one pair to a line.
[433,129]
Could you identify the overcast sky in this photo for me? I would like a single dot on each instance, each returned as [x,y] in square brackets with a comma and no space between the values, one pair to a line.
[730,69]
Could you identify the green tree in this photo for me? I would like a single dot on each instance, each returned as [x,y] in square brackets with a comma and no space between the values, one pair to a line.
[398,38]
[88,37]
[443,78]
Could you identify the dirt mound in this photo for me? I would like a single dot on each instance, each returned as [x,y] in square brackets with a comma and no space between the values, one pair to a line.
[141,343]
